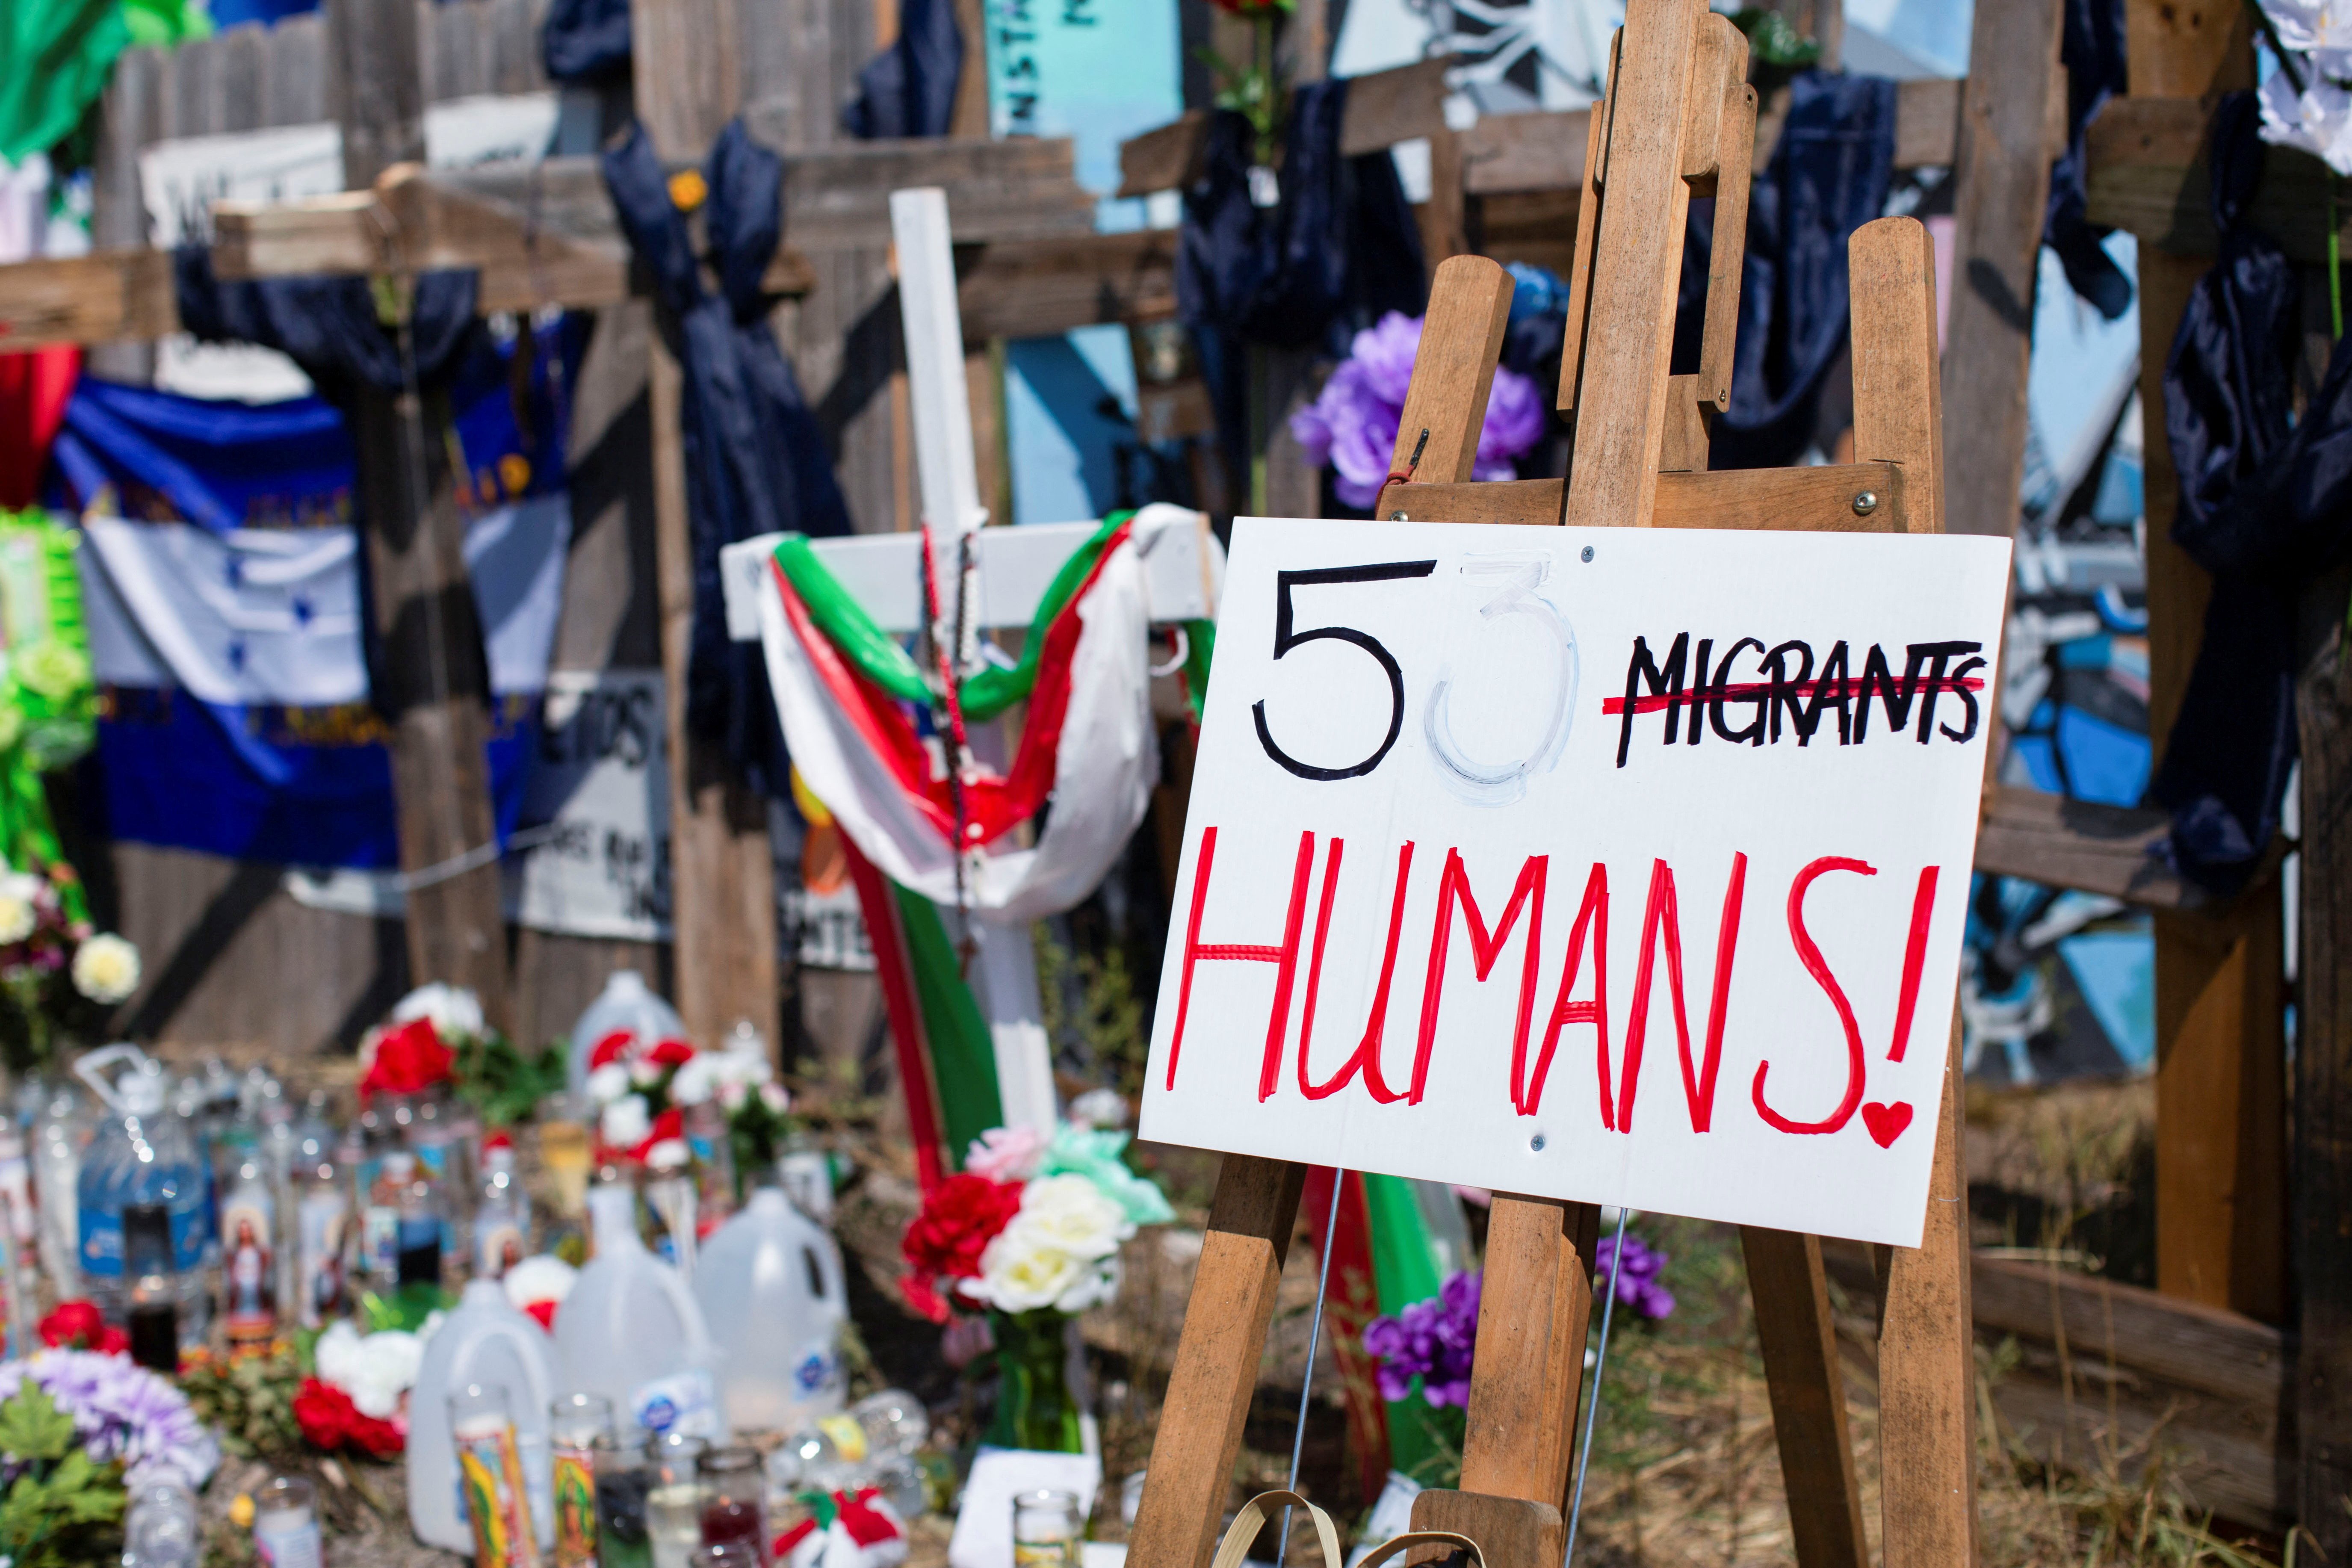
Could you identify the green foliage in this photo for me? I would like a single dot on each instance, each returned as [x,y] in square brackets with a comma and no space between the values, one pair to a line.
[62,1511]
[1092,1001]
[756,1132]
[250,1402]
[500,1082]
[1773,41]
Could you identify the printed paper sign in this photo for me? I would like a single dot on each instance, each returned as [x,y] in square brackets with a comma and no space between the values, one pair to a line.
[1619,864]
[601,782]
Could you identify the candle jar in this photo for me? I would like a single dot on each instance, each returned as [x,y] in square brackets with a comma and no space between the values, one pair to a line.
[574,1424]
[285,1524]
[623,1479]
[1047,1527]
[490,1478]
[732,1483]
[674,1499]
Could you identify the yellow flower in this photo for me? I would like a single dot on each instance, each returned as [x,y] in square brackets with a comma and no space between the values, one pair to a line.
[240,1510]
[688,190]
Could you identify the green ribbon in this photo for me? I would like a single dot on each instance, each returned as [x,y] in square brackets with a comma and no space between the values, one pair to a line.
[877,655]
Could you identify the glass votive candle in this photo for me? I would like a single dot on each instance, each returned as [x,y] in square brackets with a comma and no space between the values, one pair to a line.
[733,1482]
[1047,1527]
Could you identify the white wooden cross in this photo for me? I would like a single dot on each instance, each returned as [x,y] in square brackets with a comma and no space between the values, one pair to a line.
[1007,571]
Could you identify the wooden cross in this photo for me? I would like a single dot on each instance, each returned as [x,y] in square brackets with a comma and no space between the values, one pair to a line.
[1678,121]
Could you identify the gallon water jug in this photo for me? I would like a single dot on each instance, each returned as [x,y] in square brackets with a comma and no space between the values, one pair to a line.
[626,1003]
[142,1154]
[770,1287]
[632,1331]
[484,1340]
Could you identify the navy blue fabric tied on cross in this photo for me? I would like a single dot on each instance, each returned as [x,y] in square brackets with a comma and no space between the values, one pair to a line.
[2090,48]
[756,460]
[1829,175]
[328,326]
[1339,249]
[2264,505]
[586,41]
[909,89]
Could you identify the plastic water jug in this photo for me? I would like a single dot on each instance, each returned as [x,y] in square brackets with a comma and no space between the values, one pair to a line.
[626,1003]
[142,1154]
[770,1287]
[486,1341]
[632,1331]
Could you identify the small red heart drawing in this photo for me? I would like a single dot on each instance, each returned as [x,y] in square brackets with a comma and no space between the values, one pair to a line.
[1887,1122]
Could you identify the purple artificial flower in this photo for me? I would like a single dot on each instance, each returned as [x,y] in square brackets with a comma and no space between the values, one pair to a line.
[1637,1283]
[1433,1340]
[123,1411]
[1353,424]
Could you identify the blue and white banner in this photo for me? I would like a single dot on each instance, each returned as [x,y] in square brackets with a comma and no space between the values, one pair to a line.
[222,578]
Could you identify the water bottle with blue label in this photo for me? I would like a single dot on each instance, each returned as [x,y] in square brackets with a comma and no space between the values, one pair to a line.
[142,1154]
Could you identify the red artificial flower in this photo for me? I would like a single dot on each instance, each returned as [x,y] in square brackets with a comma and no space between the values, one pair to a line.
[329,1420]
[780,1549]
[545,1312]
[409,1059]
[610,1050]
[76,1326]
[960,1217]
[865,1524]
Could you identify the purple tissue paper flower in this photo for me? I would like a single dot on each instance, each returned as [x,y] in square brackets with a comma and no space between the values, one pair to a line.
[1352,426]
[1433,1340]
[123,1411]
[1637,1283]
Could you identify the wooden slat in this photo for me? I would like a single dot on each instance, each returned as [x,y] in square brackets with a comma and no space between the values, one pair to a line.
[2083,845]
[1511,1533]
[1036,288]
[1736,121]
[2323,1081]
[1897,395]
[105,297]
[1580,275]
[1200,1435]
[2002,185]
[1926,122]
[2147,173]
[1454,369]
[1817,500]
[1799,1341]
[1635,270]
[1539,152]
[1166,158]
[298,71]
[1532,1316]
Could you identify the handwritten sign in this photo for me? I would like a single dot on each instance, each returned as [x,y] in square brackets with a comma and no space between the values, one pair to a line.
[600,781]
[1625,866]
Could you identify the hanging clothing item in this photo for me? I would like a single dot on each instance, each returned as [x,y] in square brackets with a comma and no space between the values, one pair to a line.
[1829,175]
[1337,251]
[54,57]
[585,40]
[756,461]
[2227,384]
[2092,49]
[329,325]
[909,89]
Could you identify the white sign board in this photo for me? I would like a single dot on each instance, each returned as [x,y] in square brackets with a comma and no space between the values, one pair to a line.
[600,781]
[1448,909]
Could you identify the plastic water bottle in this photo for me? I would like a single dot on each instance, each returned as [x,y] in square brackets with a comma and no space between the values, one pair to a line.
[142,1155]
[769,1283]
[625,1003]
[502,1213]
[162,1529]
[486,1341]
[59,1136]
[632,1331]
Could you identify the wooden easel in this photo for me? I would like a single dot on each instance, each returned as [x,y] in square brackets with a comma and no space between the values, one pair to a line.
[1679,122]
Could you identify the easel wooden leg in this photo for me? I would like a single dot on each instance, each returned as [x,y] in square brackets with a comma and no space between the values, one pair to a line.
[1927,1371]
[1533,1308]
[1801,1368]
[1199,1437]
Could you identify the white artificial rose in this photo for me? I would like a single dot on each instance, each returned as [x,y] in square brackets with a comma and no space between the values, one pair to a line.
[645,1073]
[106,969]
[16,917]
[375,1369]
[697,1076]
[1072,1214]
[608,1082]
[545,1278]
[627,1123]
[775,1098]
[747,1067]
[1019,1275]
[1097,1286]
[454,1009]
[669,1154]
